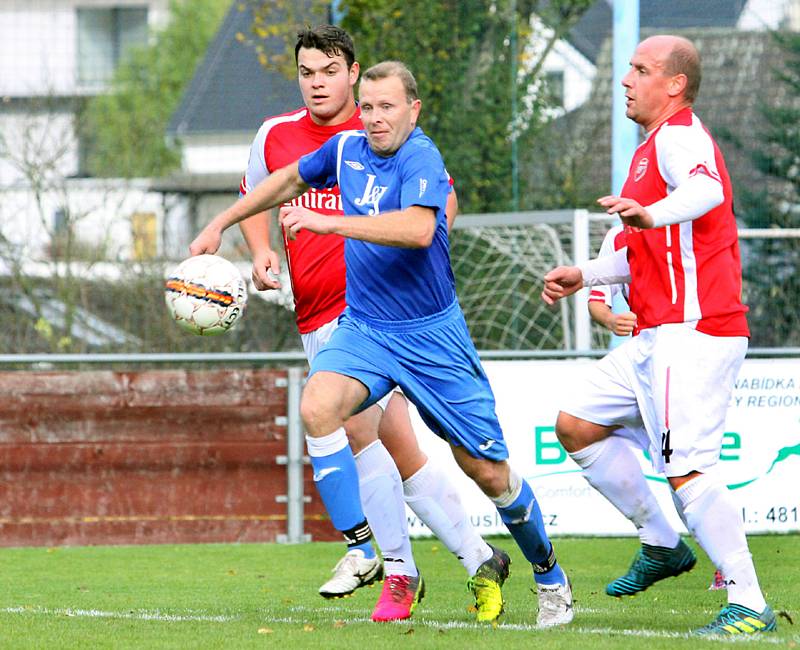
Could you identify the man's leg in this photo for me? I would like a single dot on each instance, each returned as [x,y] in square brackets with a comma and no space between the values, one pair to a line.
[327,401]
[519,510]
[610,466]
[713,518]
[360,565]
[381,492]
[434,499]
[428,491]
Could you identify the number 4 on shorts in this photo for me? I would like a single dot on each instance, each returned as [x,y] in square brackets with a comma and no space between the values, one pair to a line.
[666,450]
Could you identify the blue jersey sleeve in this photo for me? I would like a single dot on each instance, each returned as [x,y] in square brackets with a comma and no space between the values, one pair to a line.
[424,180]
[318,168]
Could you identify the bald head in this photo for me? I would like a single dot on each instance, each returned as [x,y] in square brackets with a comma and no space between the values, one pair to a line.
[679,56]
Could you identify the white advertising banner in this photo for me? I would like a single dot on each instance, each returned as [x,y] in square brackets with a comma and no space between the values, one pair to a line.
[760,458]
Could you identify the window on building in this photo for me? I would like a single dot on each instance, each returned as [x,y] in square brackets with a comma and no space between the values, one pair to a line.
[104,37]
[145,238]
[555,86]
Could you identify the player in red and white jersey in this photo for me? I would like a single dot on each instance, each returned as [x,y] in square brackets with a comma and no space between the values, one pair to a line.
[676,376]
[316,264]
[327,72]
[601,297]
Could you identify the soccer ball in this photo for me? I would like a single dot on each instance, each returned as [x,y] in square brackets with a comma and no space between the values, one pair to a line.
[206,295]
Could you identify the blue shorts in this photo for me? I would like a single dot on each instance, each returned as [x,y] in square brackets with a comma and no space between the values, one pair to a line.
[435,363]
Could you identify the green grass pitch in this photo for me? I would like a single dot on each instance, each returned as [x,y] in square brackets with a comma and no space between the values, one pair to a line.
[264,595]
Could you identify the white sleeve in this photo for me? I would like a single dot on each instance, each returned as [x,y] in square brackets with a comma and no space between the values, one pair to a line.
[602,293]
[609,269]
[687,163]
[257,164]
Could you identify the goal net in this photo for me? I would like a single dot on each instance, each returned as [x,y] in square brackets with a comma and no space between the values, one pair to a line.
[499,261]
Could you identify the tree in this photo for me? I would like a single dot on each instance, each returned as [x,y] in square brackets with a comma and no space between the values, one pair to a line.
[467,67]
[125,129]
[772,285]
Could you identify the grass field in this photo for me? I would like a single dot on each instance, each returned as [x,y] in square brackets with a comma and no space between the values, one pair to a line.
[264,595]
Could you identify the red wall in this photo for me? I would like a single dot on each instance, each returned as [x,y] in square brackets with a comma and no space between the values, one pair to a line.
[158,456]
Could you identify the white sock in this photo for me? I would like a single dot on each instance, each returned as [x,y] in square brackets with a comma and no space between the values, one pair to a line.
[435,501]
[611,467]
[712,517]
[382,500]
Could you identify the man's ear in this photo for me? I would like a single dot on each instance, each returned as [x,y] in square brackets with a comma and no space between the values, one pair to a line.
[355,70]
[677,85]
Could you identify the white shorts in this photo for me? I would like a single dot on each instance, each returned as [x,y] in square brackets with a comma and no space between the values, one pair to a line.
[674,381]
[313,342]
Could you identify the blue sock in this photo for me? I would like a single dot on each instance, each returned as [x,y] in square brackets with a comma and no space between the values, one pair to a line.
[523,518]
[337,483]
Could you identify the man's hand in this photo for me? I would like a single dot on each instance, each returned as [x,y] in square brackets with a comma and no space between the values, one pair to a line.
[562,281]
[208,241]
[295,218]
[622,324]
[631,213]
[266,268]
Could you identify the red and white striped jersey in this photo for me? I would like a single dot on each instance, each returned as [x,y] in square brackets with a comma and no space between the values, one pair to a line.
[614,240]
[687,272]
[316,262]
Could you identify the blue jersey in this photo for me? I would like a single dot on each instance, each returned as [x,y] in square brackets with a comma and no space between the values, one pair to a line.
[387,282]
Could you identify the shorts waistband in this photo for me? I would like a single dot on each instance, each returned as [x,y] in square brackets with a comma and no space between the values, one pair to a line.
[412,325]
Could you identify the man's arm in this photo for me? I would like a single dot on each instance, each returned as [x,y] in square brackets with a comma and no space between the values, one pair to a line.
[284,185]
[563,281]
[451,209]
[620,324]
[265,260]
[413,227]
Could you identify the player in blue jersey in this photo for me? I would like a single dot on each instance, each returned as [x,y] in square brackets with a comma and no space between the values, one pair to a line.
[403,325]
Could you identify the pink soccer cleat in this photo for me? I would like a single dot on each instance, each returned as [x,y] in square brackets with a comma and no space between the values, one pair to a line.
[399,597]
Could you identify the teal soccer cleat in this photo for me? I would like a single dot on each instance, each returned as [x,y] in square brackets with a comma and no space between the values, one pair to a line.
[651,564]
[736,619]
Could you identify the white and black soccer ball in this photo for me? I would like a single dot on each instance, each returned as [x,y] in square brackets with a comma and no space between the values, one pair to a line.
[206,295]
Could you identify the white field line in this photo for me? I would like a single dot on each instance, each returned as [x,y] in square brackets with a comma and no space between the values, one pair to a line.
[443,625]
[134,615]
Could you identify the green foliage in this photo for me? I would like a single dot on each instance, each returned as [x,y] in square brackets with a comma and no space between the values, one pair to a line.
[770,266]
[462,55]
[125,129]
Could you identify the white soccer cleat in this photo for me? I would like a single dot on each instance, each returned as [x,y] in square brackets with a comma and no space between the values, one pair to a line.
[555,605]
[350,573]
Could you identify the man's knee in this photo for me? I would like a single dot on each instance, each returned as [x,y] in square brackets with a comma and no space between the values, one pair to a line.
[490,476]
[328,400]
[314,411]
[574,433]
[362,429]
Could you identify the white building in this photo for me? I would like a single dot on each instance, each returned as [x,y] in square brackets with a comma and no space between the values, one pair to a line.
[53,55]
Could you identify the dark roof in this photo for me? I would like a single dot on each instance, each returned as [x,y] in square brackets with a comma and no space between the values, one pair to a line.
[589,33]
[230,90]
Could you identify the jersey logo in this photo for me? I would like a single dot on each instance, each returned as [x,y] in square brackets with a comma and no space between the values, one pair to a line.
[321,474]
[372,195]
[641,170]
[354,164]
[423,185]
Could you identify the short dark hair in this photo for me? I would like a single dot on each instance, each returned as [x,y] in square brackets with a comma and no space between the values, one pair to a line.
[684,59]
[330,39]
[397,69]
